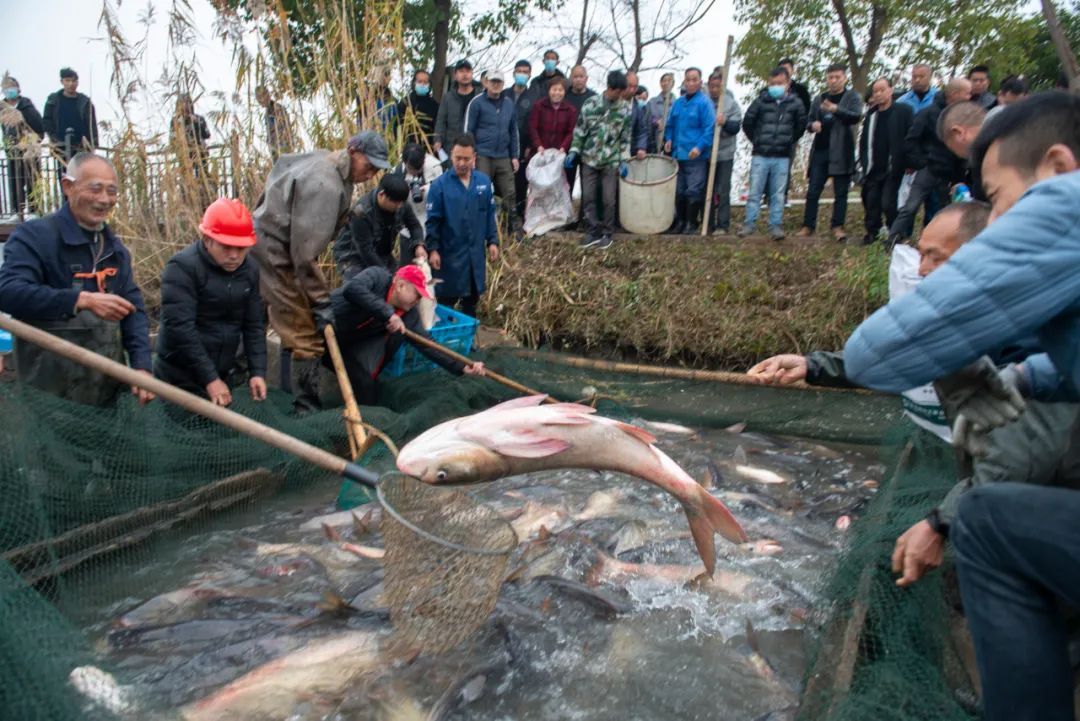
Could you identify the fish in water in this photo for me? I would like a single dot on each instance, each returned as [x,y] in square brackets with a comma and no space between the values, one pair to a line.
[523,436]
[535,516]
[323,667]
[178,605]
[672,428]
[762,667]
[605,603]
[614,571]
[600,504]
[426,305]
[754,473]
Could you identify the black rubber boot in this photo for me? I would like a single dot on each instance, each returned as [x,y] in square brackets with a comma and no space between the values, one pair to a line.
[680,217]
[305,383]
[693,217]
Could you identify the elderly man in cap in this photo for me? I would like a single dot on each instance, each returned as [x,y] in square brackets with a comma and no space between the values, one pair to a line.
[209,303]
[69,274]
[305,202]
[370,312]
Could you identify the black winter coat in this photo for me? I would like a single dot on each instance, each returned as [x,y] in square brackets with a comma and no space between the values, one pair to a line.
[31,122]
[205,313]
[899,122]
[51,121]
[361,311]
[371,234]
[841,130]
[774,126]
[426,109]
[924,149]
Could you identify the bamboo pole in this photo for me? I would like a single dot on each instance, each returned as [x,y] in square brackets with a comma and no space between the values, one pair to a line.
[189,401]
[689,374]
[358,439]
[427,342]
[716,136]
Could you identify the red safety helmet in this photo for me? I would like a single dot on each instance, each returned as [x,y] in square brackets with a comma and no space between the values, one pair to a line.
[228,221]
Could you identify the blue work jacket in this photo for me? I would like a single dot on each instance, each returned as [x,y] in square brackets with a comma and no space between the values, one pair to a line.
[690,125]
[460,226]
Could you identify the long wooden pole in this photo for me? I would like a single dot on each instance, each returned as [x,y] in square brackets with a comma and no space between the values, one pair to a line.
[427,342]
[716,136]
[689,374]
[189,401]
[358,440]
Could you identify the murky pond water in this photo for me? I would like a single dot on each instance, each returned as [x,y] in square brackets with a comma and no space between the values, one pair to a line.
[635,641]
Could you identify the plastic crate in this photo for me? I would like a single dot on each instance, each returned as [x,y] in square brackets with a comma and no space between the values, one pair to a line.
[5,341]
[452,329]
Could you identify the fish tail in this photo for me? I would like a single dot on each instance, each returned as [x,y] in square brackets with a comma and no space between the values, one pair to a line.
[707,515]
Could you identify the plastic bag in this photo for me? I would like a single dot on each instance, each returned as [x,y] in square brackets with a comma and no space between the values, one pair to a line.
[548,205]
[905,189]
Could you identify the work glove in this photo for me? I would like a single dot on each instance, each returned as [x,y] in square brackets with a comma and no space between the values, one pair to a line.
[624,169]
[980,398]
[324,316]
[571,161]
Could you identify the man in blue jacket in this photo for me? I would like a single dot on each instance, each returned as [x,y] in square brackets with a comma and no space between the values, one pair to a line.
[1018,547]
[491,118]
[688,138]
[70,275]
[460,223]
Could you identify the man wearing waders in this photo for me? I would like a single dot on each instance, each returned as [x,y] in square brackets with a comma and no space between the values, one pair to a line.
[305,203]
[68,274]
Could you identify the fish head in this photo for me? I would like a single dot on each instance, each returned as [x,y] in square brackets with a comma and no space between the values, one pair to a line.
[441,456]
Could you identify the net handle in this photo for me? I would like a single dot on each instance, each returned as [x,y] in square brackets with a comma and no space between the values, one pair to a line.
[189,401]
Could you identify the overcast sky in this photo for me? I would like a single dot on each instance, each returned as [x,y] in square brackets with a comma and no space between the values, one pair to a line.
[44,35]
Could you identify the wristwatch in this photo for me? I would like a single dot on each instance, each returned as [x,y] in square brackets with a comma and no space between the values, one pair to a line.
[937,523]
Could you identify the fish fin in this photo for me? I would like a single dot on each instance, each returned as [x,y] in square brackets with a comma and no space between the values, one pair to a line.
[639,433]
[702,531]
[739,456]
[525,402]
[751,637]
[359,525]
[528,444]
[574,408]
[331,532]
[720,518]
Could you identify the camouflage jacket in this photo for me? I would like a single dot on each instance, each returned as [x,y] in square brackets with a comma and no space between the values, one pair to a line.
[602,133]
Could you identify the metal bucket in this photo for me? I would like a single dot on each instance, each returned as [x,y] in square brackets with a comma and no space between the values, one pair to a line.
[647,195]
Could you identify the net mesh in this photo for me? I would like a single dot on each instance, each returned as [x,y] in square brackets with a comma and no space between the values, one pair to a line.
[89,492]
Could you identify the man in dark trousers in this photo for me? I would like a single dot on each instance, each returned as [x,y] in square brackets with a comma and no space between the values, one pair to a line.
[70,275]
[369,314]
[374,225]
[881,156]
[936,167]
[834,117]
[210,303]
[450,121]
[69,117]
[460,225]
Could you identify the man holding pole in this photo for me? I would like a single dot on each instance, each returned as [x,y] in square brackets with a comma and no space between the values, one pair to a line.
[688,136]
[725,138]
[305,202]
[370,313]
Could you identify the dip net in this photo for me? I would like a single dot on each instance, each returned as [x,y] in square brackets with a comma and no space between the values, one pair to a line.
[91,494]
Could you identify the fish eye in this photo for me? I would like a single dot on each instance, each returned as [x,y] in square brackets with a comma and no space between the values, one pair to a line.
[441,476]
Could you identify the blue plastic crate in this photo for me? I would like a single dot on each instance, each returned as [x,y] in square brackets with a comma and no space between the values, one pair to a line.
[452,329]
[5,341]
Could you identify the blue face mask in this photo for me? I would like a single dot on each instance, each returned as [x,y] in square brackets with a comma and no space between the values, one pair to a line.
[11,93]
[520,79]
[423,90]
[777,91]
[549,65]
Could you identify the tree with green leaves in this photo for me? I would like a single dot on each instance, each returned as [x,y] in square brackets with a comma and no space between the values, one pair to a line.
[875,37]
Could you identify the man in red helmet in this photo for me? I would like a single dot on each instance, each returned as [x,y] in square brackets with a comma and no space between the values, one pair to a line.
[369,314]
[209,303]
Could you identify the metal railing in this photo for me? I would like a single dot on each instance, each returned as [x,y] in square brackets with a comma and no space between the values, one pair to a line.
[30,181]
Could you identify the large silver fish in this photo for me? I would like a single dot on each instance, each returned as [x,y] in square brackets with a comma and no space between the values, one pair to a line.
[523,436]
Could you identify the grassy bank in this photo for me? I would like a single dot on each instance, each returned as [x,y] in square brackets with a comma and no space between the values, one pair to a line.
[714,302]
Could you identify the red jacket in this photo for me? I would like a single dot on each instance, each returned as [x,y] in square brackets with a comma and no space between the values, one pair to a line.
[551,127]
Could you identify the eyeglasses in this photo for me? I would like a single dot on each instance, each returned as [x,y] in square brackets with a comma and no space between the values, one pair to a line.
[96,188]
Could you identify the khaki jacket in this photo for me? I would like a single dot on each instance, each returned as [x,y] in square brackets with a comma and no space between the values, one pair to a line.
[305,202]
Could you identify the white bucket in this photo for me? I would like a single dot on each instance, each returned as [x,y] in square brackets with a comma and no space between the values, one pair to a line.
[647,195]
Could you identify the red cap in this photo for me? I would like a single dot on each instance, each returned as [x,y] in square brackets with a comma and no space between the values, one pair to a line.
[228,221]
[414,275]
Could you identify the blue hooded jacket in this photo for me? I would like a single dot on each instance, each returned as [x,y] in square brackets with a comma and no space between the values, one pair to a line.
[1016,278]
[690,125]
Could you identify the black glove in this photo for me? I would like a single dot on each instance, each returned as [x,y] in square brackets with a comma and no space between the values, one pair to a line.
[324,317]
[979,398]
